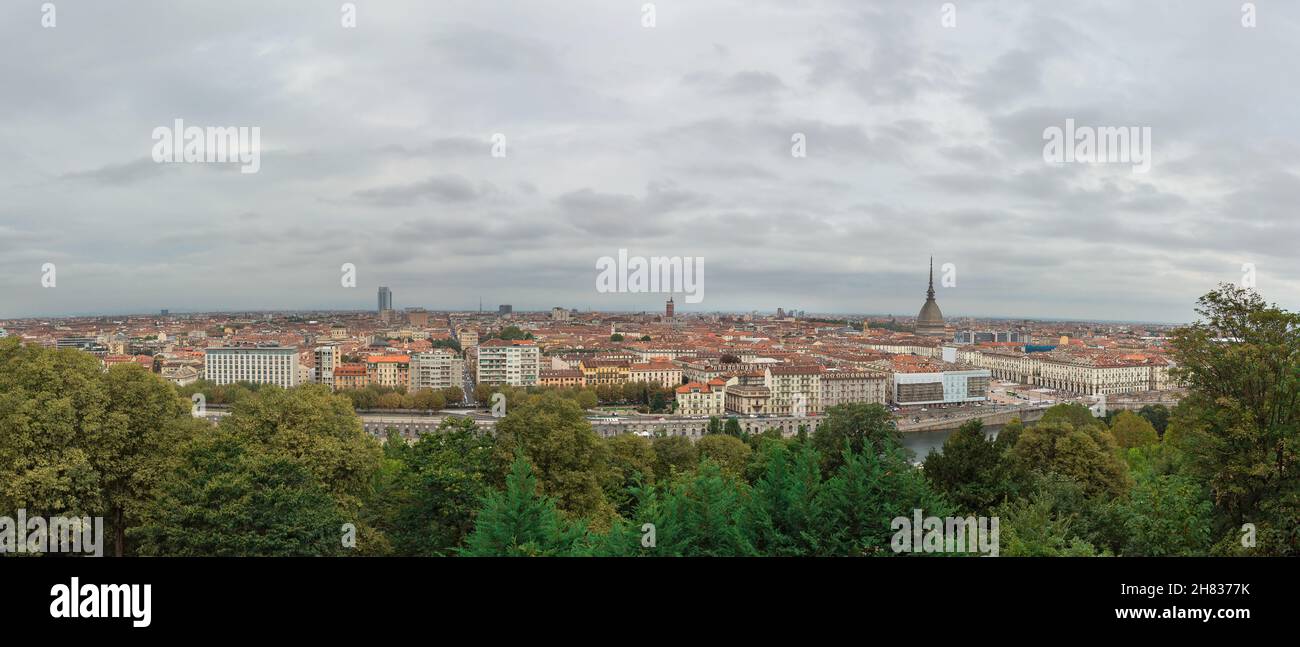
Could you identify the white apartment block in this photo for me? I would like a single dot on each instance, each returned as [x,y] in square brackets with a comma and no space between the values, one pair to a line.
[438,369]
[1088,376]
[512,362]
[326,359]
[1075,373]
[265,365]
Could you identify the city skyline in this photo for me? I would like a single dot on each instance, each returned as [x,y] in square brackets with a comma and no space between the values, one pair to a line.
[921,138]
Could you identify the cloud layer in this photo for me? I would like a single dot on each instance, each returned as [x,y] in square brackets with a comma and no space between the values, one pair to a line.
[668,141]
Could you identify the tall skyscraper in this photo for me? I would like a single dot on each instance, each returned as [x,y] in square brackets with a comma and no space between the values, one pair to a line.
[385,299]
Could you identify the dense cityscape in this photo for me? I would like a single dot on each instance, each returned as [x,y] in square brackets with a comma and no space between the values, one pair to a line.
[407,287]
[667,372]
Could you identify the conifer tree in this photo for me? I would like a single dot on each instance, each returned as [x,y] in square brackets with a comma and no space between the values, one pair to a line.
[519,522]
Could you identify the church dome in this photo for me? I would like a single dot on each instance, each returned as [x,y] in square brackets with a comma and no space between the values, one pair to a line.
[930,314]
[929,321]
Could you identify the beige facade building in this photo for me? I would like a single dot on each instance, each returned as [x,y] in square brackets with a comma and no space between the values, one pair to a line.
[605,371]
[747,399]
[389,370]
[561,377]
[796,389]
[440,368]
[849,387]
[661,372]
[702,399]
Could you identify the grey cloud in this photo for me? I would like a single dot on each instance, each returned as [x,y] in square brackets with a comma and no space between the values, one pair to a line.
[921,140]
[450,189]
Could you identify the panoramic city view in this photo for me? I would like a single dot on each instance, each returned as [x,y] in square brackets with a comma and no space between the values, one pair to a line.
[604,279]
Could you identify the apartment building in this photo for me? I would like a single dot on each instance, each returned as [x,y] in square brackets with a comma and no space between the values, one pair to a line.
[350,376]
[661,372]
[747,399]
[389,370]
[1104,375]
[848,387]
[261,365]
[605,371]
[702,399]
[327,358]
[561,377]
[514,362]
[795,388]
[440,368]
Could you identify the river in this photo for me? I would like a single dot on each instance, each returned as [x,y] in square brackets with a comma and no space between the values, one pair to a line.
[921,442]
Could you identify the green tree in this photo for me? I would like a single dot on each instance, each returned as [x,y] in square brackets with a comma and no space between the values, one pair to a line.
[1035,527]
[673,454]
[631,461]
[865,493]
[658,402]
[230,497]
[427,399]
[783,510]
[975,472]
[1087,456]
[79,441]
[864,427]
[566,454]
[729,452]
[520,522]
[1132,430]
[1157,415]
[586,398]
[1239,425]
[1168,515]
[511,333]
[427,508]
[715,426]
[732,428]
[702,515]
[316,428]
[1077,415]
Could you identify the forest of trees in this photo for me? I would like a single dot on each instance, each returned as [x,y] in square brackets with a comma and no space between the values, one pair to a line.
[291,472]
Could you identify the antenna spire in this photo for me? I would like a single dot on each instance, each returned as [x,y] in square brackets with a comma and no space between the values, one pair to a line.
[929,293]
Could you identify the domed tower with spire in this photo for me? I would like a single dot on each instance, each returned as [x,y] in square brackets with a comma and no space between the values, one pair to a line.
[929,322]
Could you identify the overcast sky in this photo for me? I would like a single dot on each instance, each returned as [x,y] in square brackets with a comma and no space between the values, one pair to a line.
[674,140]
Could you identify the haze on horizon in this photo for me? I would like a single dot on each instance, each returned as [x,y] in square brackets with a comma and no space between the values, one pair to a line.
[667,141]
